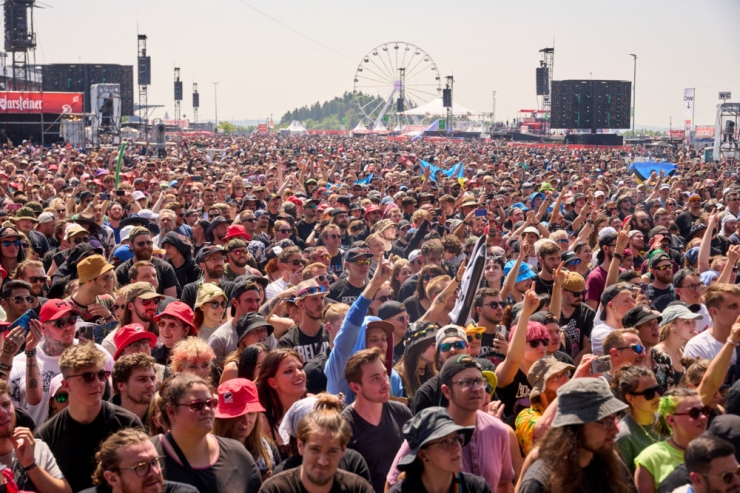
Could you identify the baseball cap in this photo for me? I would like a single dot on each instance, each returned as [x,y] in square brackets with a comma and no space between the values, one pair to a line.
[675,312]
[356,254]
[47,217]
[208,250]
[56,308]
[237,397]
[611,292]
[639,315]
[414,255]
[72,230]
[450,330]
[92,267]
[143,290]
[131,333]
[390,309]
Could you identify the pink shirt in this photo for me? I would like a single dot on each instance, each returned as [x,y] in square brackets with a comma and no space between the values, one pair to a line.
[595,283]
[487,454]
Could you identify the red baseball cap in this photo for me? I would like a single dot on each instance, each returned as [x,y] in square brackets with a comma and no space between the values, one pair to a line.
[295,200]
[237,397]
[131,333]
[56,308]
[371,208]
[180,311]
[236,231]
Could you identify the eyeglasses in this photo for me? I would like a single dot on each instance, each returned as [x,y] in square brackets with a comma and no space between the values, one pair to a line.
[198,406]
[574,262]
[61,398]
[607,422]
[448,346]
[333,237]
[663,267]
[694,287]
[216,304]
[144,243]
[90,376]
[695,412]
[726,476]
[149,302]
[637,348]
[8,243]
[139,344]
[383,299]
[475,336]
[284,231]
[324,256]
[142,469]
[448,443]
[495,304]
[535,343]
[61,323]
[648,394]
[362,262]
[20,299]
[468,383]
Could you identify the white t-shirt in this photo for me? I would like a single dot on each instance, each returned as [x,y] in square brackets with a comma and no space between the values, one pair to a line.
[275,288]
[705,346]
[48,369]
[43,457]
[706,322]
[598,334]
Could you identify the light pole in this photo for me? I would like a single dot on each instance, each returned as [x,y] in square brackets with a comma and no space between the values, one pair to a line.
[634,93]
[215,91]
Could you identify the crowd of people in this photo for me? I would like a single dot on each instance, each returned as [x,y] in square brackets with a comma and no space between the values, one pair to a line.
[283,314]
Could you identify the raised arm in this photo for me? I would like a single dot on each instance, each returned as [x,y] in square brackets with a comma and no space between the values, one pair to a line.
[508,286]
[506,371]
[706,244]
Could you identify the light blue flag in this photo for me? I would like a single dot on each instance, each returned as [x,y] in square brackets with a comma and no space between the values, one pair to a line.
[366,180]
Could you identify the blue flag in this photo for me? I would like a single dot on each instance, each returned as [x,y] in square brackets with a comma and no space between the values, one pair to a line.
[366,180]
[643,169]
[457,171]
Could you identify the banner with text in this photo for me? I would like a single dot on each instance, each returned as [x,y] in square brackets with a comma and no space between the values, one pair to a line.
[688,102]
[40,102]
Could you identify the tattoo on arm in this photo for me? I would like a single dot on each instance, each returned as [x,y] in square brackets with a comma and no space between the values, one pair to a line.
[33,375]
[267,307]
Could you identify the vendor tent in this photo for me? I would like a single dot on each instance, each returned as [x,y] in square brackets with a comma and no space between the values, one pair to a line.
[360,129]
[435,107]
[296,128]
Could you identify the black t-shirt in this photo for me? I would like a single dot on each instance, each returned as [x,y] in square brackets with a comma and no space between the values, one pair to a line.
[684,222]
[593,479]
[665,295]
[304,229]
[234,471]
[190,291]
[74,444]
[577,327]
[314,370]
[515,396]
[290,482]
[679,477]
[429,395]
[351,461]
[336,266]
[467,483]
[378,444]
[487,350]
[541,286]
[167,487]
[414,308]
[165,273]
[344,292]
[308,346]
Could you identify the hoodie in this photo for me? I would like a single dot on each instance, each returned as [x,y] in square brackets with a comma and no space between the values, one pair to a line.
[189,271]
[350,339]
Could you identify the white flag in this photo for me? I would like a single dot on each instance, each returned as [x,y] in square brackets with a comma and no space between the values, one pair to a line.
[688,102]
[470,283]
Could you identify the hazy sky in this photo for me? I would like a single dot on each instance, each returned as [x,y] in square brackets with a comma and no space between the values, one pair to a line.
[266,69]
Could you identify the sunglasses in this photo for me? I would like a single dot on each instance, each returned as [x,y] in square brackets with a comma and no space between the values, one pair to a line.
[198,406]
[383,299]
[8,243]
[534,344]
[296,262]
[362,262]
[578,294]
[727,477]
[648,394]
[448,346]
[475,336]
[216,304]
[574,262]
[20,299]
[60,323]
[333,237]
[61,398]
[144,243]
[115,307]
[149,302]
[663,267]
[90,376]
[251,220]
[284,231]
[495,304]
[324,256]
[695,412]
[311,290]
[34,279]
[637,348]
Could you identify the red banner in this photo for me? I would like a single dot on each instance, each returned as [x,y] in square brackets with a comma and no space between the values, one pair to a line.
[704,132]
[676,134]
[262,128]
[40,102]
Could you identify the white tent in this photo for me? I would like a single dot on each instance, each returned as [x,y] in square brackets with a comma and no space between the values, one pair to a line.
[296,128]
[436,107]
[380,129]
[360,129]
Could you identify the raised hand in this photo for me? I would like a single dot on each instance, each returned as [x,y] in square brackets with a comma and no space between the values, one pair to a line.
[531,300]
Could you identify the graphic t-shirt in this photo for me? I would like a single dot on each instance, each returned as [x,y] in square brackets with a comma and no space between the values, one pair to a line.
[487,350]
[343,292]
[577,327]
[307,346]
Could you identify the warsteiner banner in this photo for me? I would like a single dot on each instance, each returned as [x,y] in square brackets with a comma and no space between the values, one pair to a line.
[40,102]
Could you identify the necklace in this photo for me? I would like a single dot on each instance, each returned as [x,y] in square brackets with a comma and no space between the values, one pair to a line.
[673,442]
[647,434]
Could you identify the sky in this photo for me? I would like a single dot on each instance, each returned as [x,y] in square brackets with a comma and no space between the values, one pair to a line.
[306,52]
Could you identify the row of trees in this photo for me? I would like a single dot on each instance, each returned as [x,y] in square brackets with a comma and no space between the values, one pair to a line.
[342,110]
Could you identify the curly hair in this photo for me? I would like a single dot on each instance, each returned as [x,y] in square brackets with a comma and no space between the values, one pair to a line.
[190,349]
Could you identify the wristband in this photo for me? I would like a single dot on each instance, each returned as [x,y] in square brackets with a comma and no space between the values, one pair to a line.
[31,353]
[26,469]
[618,256]
[5,367]
[731,342]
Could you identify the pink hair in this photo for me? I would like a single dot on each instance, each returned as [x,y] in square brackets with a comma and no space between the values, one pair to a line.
[535,330]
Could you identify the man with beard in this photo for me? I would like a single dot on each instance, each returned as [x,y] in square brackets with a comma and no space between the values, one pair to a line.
[211,261]
[549,259]
[661,291]
[358,267]
[177,253]
[32,463]
[376,421]
[641,223]
[577,452]
[115,215]
[46,225]
[142,246]
[25,220]
[686,219]
[306,225]
[488,309]
[310,337]
[129,463]
[16,300]
[340,218]
[236,257]
[167,222]
[32,271]
[488,453]
[576,318]
[637,246]
[93,298]
[134,379]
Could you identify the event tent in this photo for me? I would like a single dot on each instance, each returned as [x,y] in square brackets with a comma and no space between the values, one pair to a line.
[296,128]
[435,107]
[360,129]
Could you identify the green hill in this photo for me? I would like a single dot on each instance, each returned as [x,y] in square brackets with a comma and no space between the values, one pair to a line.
[330,115]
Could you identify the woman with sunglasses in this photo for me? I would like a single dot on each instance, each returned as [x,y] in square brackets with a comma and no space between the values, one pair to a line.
[281,383]
[637,386]
[682,417]
[435,460]
[417,304]
[382,295]
[210,306]
[192,454]
[283,230]
[401,271]
[11,253]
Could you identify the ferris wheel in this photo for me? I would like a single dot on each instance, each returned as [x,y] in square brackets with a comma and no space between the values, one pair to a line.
[393,78]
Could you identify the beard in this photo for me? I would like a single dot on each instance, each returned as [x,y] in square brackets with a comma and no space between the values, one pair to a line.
[215,273]
[239,263]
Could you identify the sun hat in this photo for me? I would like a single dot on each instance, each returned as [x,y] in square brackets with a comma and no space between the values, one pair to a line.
[675,312]
[249,322]
[525,271]
[639,315]
[237,397]
[92,267]
[450,330]
[541,371]
[208,292]
[180,311]
[426,426]
[131,333]
[585,400]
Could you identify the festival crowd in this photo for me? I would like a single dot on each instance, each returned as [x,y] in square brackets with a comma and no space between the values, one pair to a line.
[324,314]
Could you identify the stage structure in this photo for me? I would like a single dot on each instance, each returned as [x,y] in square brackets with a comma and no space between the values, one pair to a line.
[106,105]
[80,77]
[196,102]
[544,77]
[144,77]
[726,145]
[178,94]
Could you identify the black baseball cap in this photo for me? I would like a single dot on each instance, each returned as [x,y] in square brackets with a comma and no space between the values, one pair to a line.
[639,315]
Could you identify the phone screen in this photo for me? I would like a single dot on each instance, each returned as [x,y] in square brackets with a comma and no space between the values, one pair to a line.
[480,212]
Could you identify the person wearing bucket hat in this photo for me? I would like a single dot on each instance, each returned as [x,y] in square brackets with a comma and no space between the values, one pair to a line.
[435,455]
[578,450]
[128,340]
[94,295]
[545,377]
[175,323]
[210,309]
